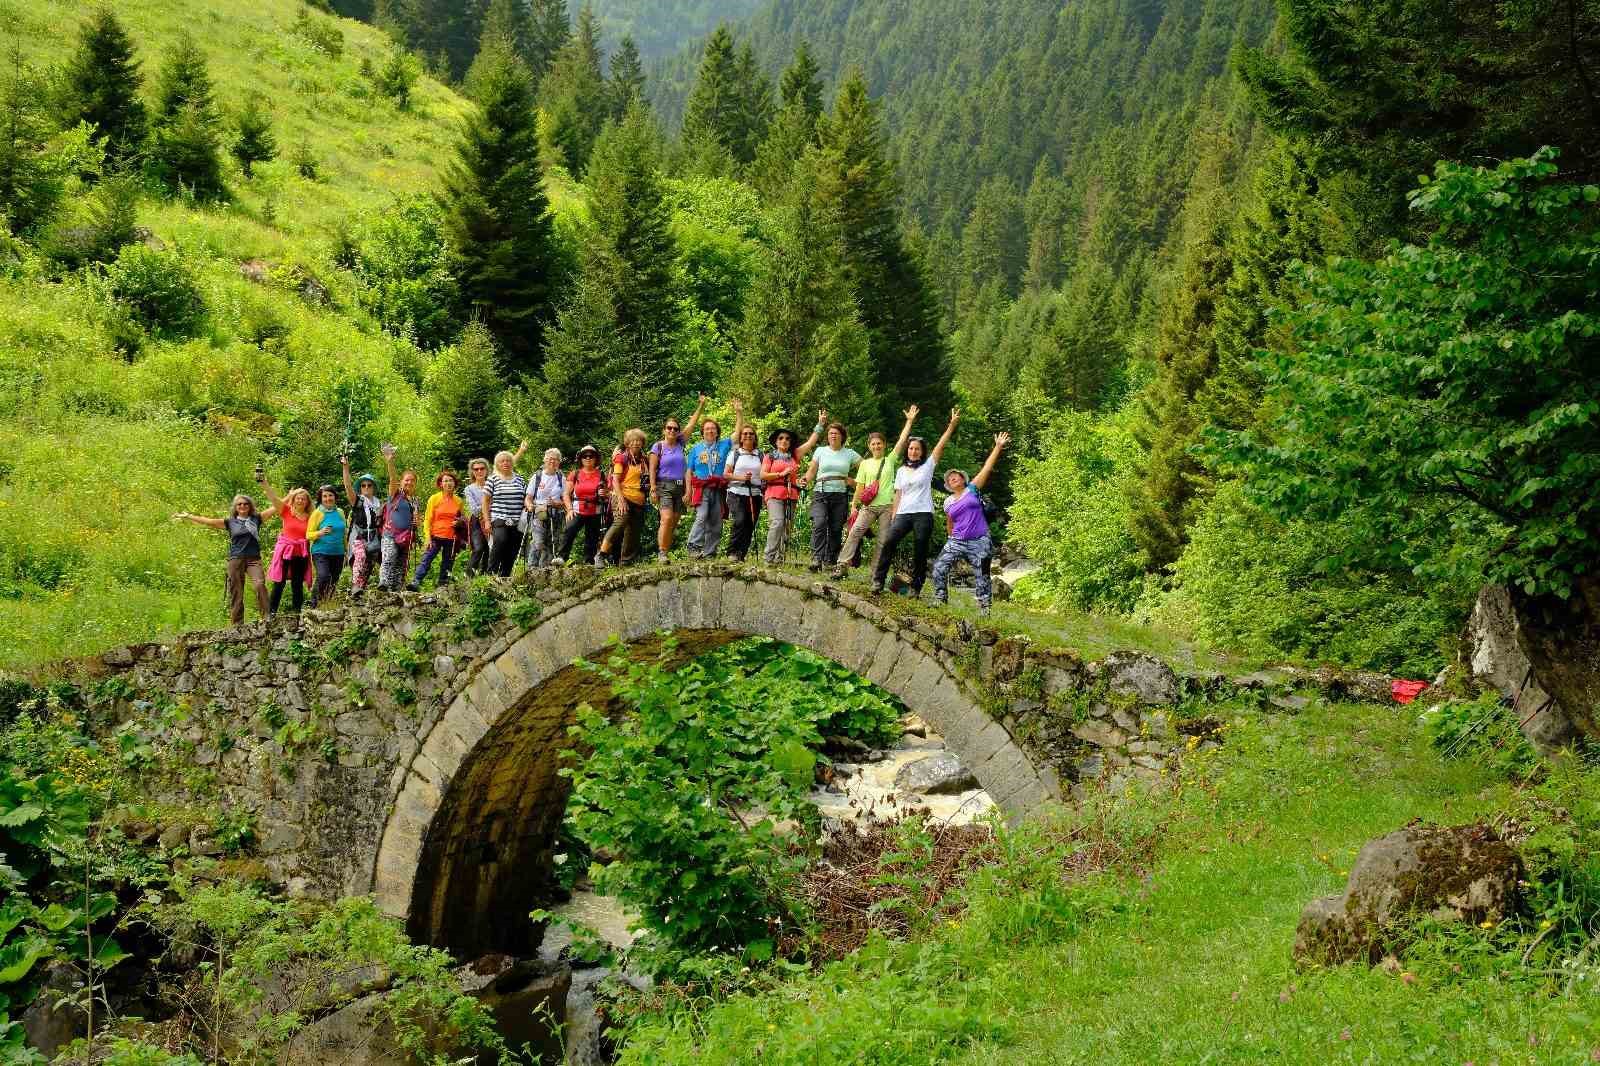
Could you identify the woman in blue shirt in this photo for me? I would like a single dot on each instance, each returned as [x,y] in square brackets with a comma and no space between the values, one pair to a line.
[708,484]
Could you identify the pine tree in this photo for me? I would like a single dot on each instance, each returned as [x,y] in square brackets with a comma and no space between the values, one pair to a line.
[254,142]
[549,27]
[100,84]
[627,78]
[462,391]
[802,82]
[496,216]
[802,341]
[574,93]
[857,187]
[754,91]
[585,345]
[712,115]
[31,184]
[187,146]
[636,253]
[506,21]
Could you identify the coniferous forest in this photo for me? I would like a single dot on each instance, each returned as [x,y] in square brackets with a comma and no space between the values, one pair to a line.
[1268,329]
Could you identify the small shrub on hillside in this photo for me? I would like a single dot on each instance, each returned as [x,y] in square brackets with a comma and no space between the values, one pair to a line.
[253,140]
[159,289]
[400,259]
[323,34]
[106,224]
[397,77]
[304,161]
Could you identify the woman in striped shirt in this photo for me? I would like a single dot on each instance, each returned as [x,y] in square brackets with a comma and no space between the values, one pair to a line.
[505,495]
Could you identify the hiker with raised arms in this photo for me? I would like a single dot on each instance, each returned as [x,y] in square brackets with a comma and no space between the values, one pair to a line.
[969,530]
[243,527]
[912,514]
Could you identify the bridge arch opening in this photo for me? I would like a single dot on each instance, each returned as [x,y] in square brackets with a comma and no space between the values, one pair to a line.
[469,841]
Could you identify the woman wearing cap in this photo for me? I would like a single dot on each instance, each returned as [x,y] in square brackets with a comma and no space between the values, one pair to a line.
[326,532]
[473,496]
[708,484]
[874,492]
[546,501]
[243,527]
[291,554]
[366,526]
[969,530]
[584,501]
[745,490]
[629,490]
[780,471]
[912,515]
[669,473]
[505,494]
[439,518]
[830,481]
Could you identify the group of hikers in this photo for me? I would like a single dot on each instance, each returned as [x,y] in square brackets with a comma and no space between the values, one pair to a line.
[499,515]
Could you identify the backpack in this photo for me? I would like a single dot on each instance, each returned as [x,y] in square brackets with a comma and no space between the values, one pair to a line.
[991,510]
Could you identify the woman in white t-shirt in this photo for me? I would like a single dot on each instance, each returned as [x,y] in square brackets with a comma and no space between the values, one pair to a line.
[912,514]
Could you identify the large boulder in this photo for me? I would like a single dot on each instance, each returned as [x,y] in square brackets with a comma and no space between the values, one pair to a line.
[1457,873]
[941,774]
[1495,651]
[1144,677]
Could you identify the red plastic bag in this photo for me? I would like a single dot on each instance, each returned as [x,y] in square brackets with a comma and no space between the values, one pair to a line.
[1406,691]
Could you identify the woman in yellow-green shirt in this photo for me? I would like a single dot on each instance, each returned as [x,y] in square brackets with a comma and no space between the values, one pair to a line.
[874,492]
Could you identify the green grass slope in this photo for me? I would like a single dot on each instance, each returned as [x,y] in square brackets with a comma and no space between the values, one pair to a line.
[98,449]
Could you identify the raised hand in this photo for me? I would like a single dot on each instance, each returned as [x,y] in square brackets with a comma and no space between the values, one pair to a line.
[389,451]
[822,415]
[1001,440]
[181,516]
[738,405]
[955,415]
[912,412]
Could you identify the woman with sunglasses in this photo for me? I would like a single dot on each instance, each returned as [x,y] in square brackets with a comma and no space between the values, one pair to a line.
[708,485]
[585,505]
[243,527]
[745,490]
[781,470]
[473,496]
[668,475]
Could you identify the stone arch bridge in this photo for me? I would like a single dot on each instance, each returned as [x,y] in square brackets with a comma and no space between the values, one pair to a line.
[408,746]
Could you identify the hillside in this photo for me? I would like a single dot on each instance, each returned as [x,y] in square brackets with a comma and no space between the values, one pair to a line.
[132,431]
[661,27]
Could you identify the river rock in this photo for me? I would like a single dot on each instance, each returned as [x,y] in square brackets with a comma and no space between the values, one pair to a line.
[1455,873]
[939,774]
[528,998]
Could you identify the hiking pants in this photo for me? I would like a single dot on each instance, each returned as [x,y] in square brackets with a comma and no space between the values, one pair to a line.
[240,570]
[478,561]
[627,526]
[392,572]
[920,528]
[328,568]
[868,518]
[705,538]
[294,575]
[589,525]
[362,558]
[744,511]
[445,547]
[505,543]
[780,513]
[978,552]
[828,512]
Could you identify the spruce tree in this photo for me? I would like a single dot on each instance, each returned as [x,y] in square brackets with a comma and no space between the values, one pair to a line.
[187,142]
[802,82]
[802,343]
[254,142]
[627,78]
[100,84]
[496,216]
[462,390]
[574,94]
[754,90]
[507,21]
[636,254]
[712,116]
[549,27]
[31,184]
[585,346]
[857,190]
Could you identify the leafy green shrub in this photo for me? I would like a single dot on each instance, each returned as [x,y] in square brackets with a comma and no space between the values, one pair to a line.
[400,260]
[1263,586]
[323,34]
[159,289]
[1071,514]
[1484,729]
[100,229]
[687,792]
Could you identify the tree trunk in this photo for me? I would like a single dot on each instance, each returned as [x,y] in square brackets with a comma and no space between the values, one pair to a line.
[1561,639]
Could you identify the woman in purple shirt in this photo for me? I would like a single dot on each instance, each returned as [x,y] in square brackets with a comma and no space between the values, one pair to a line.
[668,476]
[969,531]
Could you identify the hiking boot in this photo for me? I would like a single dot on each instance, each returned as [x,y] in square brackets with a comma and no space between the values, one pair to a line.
[877,588]
[412,586]
[663,558]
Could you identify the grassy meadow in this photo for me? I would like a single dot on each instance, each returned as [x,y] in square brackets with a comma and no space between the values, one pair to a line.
[99,445]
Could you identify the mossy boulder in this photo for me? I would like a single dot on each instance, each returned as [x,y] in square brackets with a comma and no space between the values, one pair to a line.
[1450,873]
